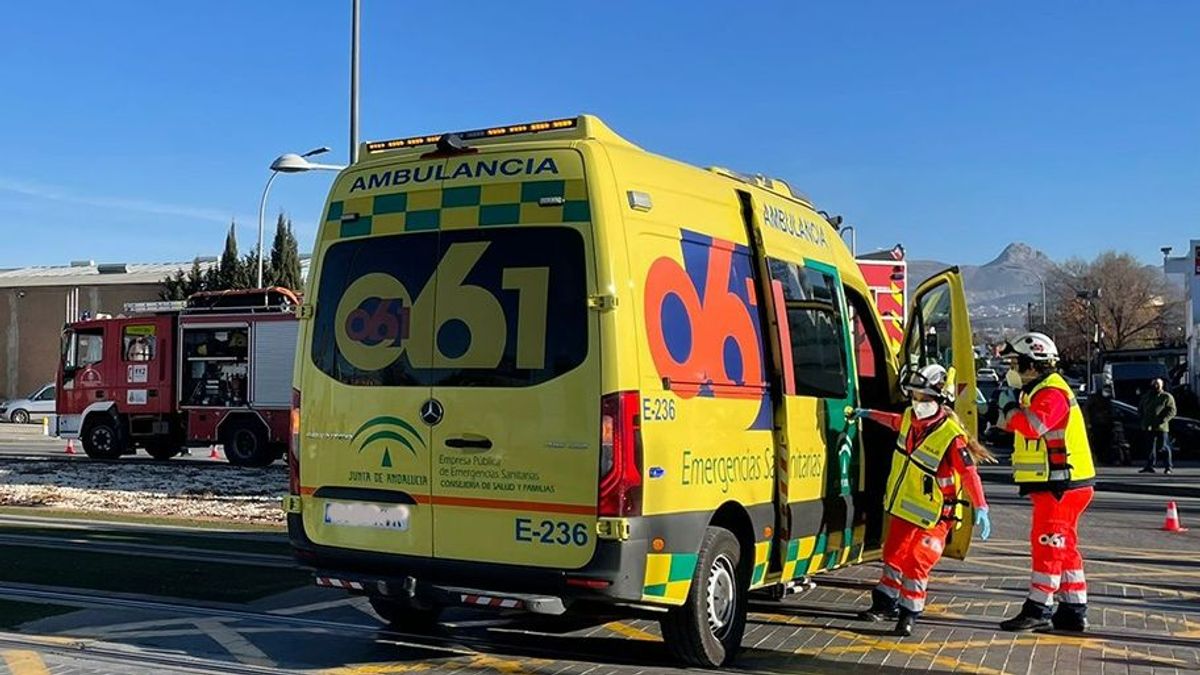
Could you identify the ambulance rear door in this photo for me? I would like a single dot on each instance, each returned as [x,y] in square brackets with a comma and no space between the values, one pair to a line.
[515,407]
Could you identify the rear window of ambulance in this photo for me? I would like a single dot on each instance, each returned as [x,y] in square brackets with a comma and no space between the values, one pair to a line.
[507,307]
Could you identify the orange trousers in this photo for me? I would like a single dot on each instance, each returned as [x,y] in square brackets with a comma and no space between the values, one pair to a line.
[1054,544]
[909,555]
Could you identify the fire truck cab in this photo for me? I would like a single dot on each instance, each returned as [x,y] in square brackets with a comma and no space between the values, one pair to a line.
[215,369]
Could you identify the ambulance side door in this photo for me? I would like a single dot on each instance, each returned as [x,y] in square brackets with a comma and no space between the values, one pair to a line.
[939,331]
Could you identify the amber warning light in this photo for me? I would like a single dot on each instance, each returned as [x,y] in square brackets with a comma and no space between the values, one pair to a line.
[493,132]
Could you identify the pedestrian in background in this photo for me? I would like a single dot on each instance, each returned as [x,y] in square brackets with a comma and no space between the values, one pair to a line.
[1157,409]
[1052,464]
[933,461]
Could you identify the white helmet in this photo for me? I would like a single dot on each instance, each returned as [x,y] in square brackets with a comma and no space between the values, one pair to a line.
[1037,346]
[932,380]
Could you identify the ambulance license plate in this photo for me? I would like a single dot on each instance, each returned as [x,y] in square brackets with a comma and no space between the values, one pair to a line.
[389,517]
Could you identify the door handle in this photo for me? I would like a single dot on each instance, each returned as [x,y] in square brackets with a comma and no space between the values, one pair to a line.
[479,443]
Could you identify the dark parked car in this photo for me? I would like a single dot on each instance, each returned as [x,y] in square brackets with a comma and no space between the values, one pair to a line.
[1185,431]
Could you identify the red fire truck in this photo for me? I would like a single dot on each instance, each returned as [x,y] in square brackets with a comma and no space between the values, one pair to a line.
[886,272]
[216,369]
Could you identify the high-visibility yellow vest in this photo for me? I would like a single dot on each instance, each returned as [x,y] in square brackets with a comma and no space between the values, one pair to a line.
[1054,455]
[914,492]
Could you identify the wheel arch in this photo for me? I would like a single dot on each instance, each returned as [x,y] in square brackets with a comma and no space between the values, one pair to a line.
[95,410]
[243,417]
[734,517]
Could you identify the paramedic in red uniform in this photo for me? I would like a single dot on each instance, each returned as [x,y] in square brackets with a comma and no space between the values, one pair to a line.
[1052,464]
[933,462]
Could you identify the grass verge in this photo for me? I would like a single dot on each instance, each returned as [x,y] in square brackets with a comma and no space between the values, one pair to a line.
[184,579]
[46,512]
[249,542]
[13,613]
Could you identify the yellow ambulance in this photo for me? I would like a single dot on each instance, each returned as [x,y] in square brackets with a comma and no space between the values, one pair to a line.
[542,369]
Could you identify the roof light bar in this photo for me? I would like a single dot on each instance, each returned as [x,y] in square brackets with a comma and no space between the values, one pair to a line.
[493,132]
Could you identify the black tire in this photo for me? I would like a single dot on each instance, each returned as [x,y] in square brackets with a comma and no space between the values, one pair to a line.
[246,444]
[19,416]
[162,451]
[402,616]
[102,439]
[707,630]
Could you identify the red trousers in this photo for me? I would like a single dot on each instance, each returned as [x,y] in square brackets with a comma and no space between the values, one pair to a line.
[909,554]
[1054,545]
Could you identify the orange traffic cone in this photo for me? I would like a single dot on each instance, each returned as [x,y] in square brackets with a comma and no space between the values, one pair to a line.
[213,454]
[70,447]
[1172,523]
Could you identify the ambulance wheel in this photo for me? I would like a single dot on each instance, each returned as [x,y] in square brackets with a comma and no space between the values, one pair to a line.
[707,630]
[18,417]
[161,451]
[102,439]
[245,444]
[403,617]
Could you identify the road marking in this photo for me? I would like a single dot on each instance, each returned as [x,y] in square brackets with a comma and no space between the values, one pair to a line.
[314,607]
[631,632]
[24,662]
[233,642]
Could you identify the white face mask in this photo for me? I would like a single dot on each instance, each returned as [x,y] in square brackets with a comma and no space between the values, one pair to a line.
[1013,379]
[924,409]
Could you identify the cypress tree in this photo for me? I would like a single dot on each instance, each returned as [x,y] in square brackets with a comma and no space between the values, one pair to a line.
[230,271]
[285,256]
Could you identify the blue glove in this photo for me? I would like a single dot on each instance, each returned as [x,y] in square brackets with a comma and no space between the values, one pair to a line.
[983,523]
[859,413]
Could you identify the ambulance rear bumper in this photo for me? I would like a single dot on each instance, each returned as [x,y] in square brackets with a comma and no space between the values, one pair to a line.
[425,594]
[619,565]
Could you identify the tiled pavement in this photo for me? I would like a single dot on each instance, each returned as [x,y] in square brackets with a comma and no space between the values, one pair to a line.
[1143,626]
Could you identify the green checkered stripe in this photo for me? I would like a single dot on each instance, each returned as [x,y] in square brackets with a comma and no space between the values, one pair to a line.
[487,205]
[821,552]
[668,576]
[762,555]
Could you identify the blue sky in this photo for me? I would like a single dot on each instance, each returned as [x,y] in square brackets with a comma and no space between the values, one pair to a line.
[134,131]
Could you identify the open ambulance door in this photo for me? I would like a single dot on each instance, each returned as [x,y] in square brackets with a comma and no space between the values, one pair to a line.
[939,331]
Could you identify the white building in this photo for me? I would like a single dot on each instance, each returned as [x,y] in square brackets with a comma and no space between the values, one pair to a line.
[1188,266]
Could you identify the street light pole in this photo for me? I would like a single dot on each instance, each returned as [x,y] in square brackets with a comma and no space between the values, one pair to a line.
[1041,279]
[286,163]
[354,81]
[262,208]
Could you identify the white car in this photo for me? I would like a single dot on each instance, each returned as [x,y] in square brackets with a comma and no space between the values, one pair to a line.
[34,407]
[988,375]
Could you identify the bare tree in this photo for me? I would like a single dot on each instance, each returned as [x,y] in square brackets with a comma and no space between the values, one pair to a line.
[1126,303]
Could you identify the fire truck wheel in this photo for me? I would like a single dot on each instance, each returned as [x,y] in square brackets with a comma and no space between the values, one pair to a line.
[102,439]
[162,451]
[245,444]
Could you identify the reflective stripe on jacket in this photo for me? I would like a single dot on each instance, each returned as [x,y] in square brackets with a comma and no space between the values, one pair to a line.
[1060,454]
[914,492]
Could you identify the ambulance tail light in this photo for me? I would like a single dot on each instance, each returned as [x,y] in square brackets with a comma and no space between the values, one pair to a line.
[294,446]
[620,455]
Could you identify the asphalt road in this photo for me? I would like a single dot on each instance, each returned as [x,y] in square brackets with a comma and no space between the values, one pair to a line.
[135,616]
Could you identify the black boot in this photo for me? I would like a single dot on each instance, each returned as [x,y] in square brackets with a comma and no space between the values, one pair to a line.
[882,607]
[904,626]
[1070,617]
[1032,617]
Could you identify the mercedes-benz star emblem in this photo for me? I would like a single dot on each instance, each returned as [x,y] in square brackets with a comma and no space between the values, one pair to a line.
[431,412]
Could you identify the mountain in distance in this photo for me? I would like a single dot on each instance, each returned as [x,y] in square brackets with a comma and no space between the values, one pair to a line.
[997,291]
